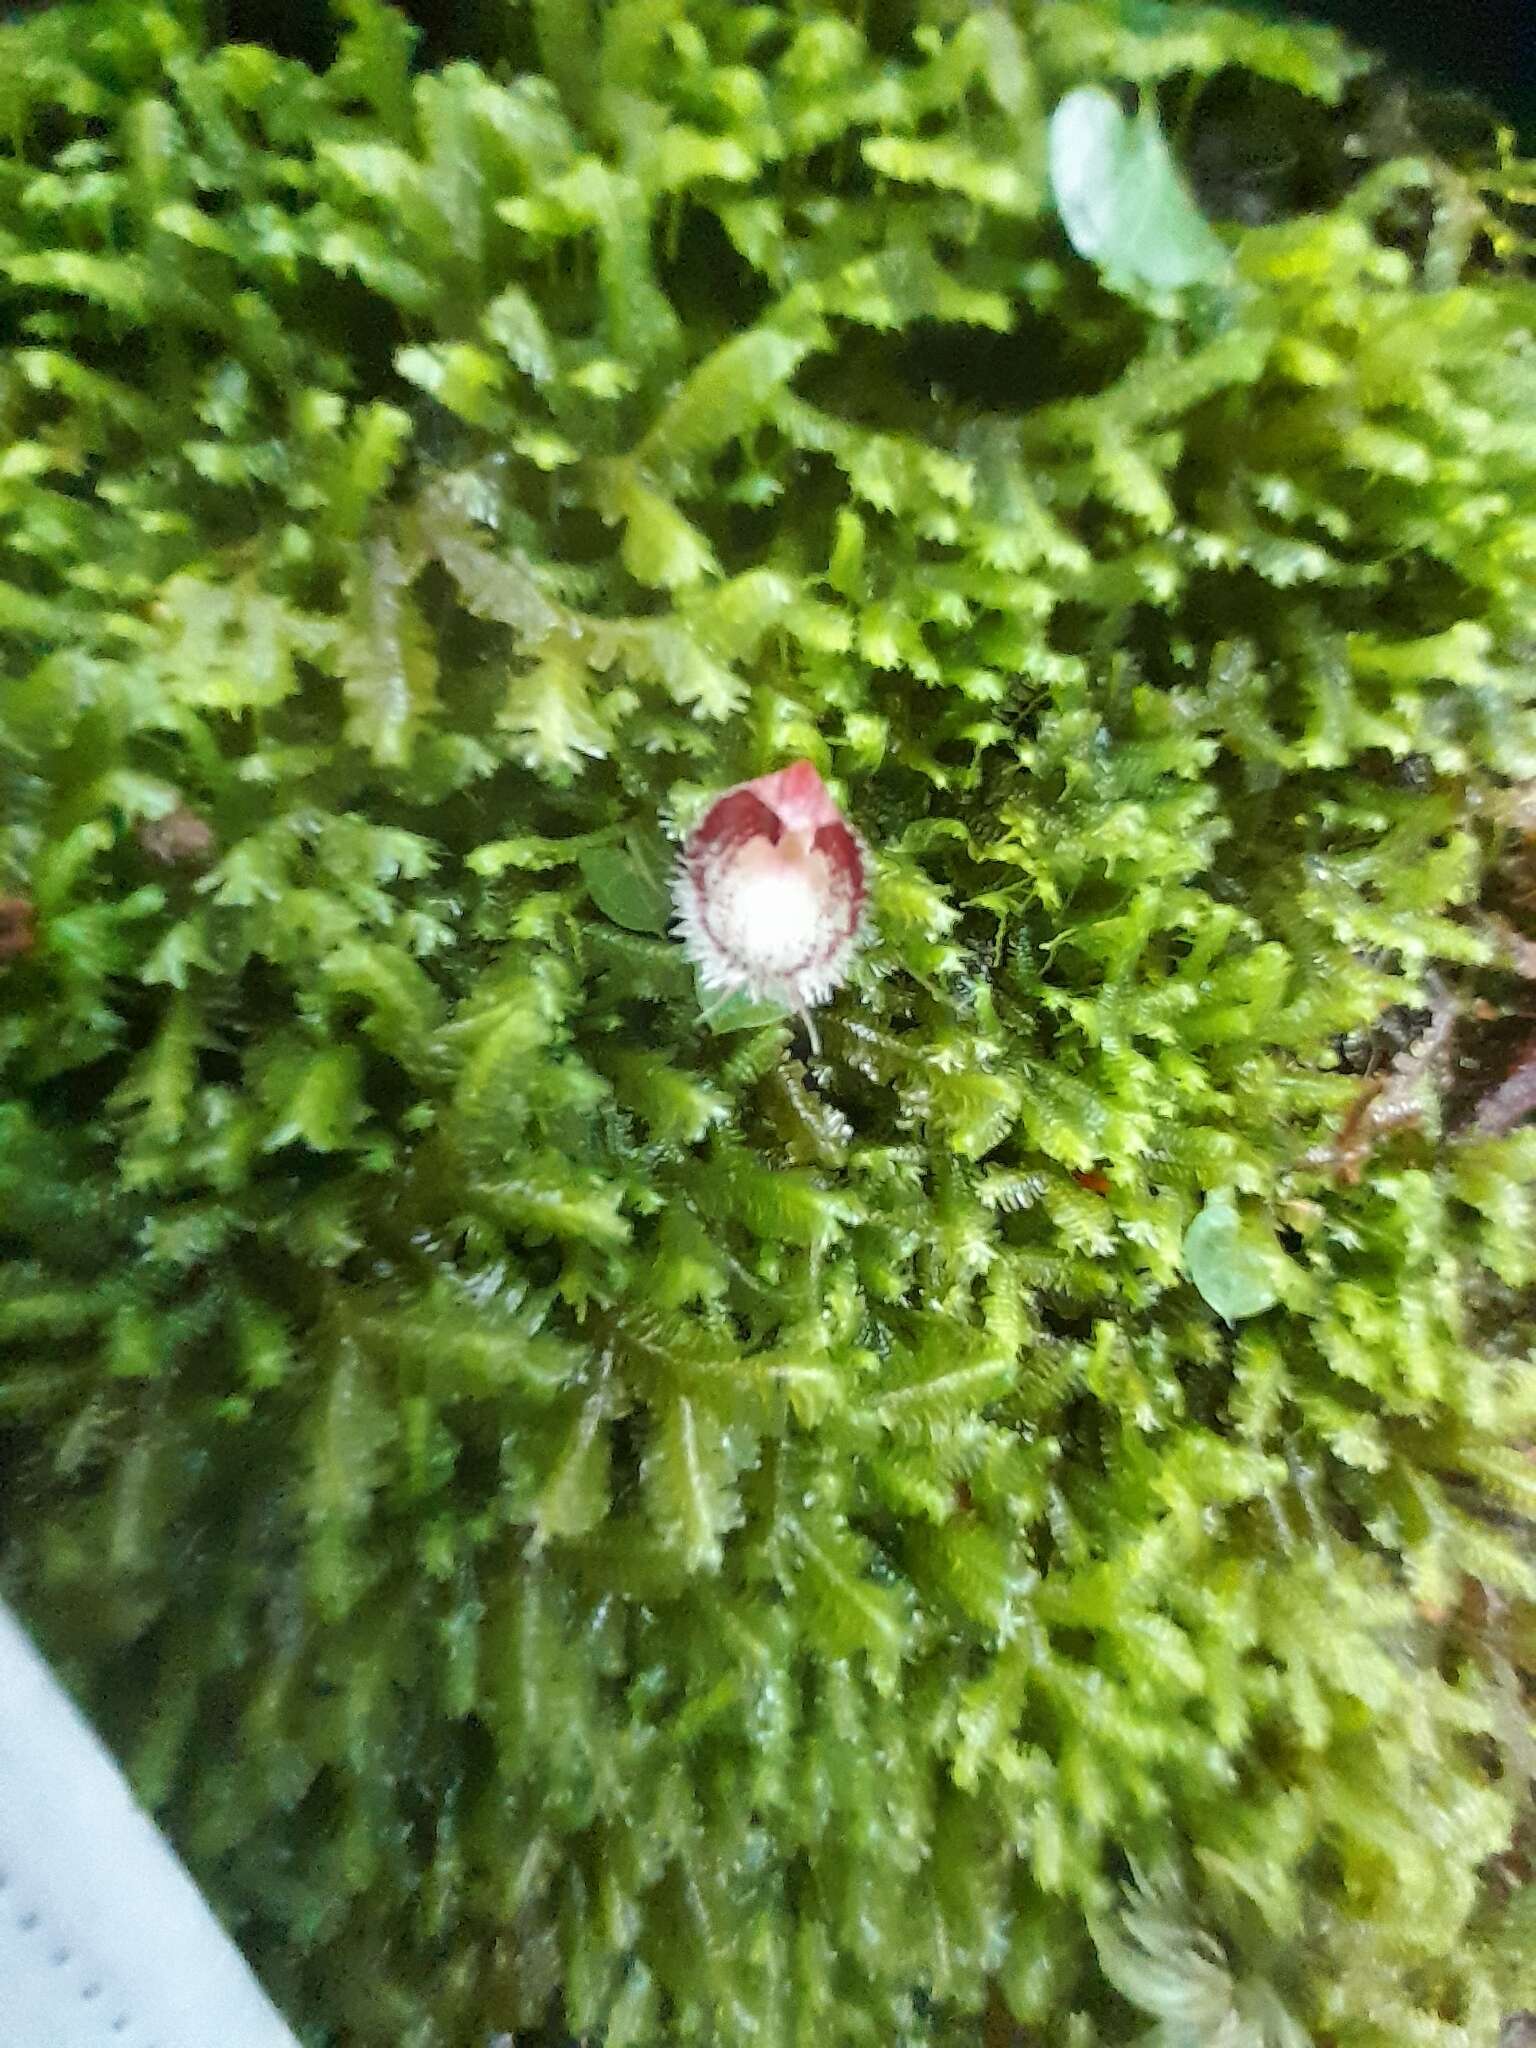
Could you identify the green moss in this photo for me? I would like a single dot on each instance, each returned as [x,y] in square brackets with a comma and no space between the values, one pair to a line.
[577,1516]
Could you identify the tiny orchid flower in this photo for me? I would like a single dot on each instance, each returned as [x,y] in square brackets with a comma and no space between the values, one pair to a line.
[771,891]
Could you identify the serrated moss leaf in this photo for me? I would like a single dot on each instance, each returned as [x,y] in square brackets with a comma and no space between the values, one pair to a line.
[724,396]
[387,660]
[689,1476]
[574,1498]
[549,713]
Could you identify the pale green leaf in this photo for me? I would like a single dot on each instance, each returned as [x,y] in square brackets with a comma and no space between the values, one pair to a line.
[549,714]
[724,397]
[1122,201]
[1233,1262]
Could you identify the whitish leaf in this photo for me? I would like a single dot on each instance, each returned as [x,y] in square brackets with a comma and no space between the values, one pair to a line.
[1121,198]
[387,661]
[1234,1263]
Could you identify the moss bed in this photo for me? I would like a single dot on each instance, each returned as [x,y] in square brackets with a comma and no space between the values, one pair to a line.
[1008,1522]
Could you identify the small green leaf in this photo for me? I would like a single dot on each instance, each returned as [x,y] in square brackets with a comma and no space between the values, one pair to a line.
[1233,1264]
[315,1098]
[1122,200]
[517,327]
[737,1011]
[629,883]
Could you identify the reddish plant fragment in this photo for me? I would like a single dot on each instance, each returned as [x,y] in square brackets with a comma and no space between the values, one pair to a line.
[178,839]
[1389,1102]
[772,890]
[1518,952]
[1513,1102]
[18,927]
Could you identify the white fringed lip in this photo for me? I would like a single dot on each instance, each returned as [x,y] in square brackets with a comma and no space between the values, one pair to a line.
[771,890]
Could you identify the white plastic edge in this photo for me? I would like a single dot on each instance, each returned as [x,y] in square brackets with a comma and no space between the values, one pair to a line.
[105,1942]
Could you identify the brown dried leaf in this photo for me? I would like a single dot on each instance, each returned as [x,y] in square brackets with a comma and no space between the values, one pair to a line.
[1392,1101]
[1517,951]
[18,927]
[180,838]
[1513,1101]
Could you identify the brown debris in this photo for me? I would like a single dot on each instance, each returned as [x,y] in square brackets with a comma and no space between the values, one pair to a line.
[1518,952]
[18,927]
[1512,1102]
[178,839]
[999,2029]
[1515,808]
[1393,1101]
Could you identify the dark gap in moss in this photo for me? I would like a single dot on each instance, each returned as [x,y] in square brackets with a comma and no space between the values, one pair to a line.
[858,382]
[981,370]
[838,167]
[488,32]
[362,329]
[308,34]
[70,1100]
[477,1473]
[711,285]
[1257,151]
[744,535]
[585,537]
[889,26]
